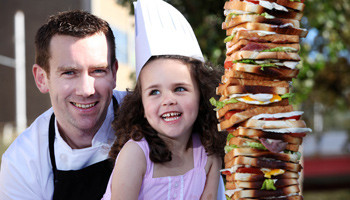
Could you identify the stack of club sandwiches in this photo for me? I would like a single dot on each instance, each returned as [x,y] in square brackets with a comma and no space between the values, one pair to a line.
[262,158]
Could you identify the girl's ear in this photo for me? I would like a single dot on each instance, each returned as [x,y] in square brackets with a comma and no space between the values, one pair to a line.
[40,77]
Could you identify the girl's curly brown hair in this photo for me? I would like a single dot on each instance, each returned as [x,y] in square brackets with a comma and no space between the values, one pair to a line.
[130,122]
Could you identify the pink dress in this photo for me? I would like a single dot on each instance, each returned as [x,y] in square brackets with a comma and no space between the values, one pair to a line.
[187,186]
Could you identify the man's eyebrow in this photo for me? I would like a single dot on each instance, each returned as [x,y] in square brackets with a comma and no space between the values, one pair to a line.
[66,68]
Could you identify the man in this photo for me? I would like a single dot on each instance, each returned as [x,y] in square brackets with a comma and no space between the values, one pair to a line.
[63,154]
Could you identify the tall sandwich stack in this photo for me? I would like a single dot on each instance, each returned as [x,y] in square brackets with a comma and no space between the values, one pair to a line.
[262,158]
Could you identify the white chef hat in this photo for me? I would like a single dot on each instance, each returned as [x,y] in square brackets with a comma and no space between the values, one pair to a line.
[162,30]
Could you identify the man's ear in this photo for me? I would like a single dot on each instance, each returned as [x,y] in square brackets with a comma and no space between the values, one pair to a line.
[40,77]
[115,67]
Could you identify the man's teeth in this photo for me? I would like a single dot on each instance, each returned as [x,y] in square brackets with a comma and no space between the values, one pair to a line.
[85,106]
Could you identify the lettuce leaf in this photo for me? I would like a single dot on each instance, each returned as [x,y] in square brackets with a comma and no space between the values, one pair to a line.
[229,136]
[228,38]
[279,49]
[268,185]
[288,95]
[229,148]
[256,145]
[221,104]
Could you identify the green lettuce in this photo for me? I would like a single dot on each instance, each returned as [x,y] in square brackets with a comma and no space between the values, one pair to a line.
[229,148]
[256,145]
[221,104]
[268,185]
[229,136]
[279,49]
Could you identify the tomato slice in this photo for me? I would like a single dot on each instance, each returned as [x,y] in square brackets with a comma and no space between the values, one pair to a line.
[230,113]
[250,170]
[297,117]
[253,1]
[226,172]
[228,64]
[297,134]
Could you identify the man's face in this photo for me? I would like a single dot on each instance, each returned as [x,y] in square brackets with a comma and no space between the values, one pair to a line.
[80,82]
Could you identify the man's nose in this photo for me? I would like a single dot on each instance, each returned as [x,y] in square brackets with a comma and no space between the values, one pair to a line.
[86,86]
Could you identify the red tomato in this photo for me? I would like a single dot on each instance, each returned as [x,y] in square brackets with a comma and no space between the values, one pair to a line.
[297,117]
[231,129]
[253,1]
[228,64]
[297,134]
[230,113]
[226,172]
[251,170]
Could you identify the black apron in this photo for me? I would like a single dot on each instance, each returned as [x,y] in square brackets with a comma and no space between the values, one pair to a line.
[87,183]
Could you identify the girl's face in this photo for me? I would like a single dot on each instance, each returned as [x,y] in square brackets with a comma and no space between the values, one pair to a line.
[170,98]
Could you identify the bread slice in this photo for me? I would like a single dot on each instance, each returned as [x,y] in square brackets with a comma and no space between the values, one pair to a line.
[284,191]
[252,89]
[273,124]
[260,177]
[248,82]
[255,73]
[242,142]
[254,36]
[248,45]
[298,6]
[251,152]
[256,134]
[240,19]
[231,185]
[255,8]
[263,163]
[278,72]
[254,55]
[244,115]
[244,106]
[287,29]
[289,197]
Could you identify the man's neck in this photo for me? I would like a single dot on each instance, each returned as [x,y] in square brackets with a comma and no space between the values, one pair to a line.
[77,139]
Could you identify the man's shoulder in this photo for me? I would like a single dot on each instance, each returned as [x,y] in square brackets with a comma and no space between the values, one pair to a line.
[119,95]
[31,139]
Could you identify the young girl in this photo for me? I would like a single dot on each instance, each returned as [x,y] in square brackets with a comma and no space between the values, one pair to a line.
[167,142]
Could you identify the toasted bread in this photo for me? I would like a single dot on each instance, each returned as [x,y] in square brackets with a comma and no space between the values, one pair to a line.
[244,106]
[278,72]
[254,55]
[246,44]
[250,89]
[231,185]
[284,191]
[273,124]
[242,116]
[263,163]
[240,19]
[251,152]
[242,142]
[255,134]
[255,8]
[255,73]
[287,29]
[253,36]
[259,177]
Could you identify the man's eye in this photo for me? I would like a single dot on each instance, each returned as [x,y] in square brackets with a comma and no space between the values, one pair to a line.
[68,73]
[98,71]
[180,89]
[154,92]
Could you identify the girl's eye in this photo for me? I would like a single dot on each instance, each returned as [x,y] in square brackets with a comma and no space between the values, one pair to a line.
[154,92]
[180,89]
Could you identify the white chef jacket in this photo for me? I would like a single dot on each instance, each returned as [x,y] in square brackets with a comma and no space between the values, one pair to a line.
[26,171]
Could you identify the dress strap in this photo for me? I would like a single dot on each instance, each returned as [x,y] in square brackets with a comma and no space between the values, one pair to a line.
[199,155]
